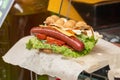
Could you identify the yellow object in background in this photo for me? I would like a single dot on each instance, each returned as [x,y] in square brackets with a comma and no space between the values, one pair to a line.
[54,6]
[90,1]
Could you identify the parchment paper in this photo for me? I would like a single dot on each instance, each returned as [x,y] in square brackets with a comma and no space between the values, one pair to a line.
[56,65]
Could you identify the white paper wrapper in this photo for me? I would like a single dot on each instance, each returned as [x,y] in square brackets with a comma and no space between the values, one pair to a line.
[53,65]
[57,66]
[114,74]
[114,63]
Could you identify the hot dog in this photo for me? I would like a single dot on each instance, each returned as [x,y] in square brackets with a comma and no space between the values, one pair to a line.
[73,42]
[67,37]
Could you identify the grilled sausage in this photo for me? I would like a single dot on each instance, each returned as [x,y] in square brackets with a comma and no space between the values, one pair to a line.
[73,42]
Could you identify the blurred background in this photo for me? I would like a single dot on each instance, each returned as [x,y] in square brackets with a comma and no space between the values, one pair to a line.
[102,15]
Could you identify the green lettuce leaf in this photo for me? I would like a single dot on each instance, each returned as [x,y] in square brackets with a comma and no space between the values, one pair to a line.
[89,43]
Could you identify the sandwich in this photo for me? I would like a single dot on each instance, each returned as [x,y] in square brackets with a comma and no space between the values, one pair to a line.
[58,35]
